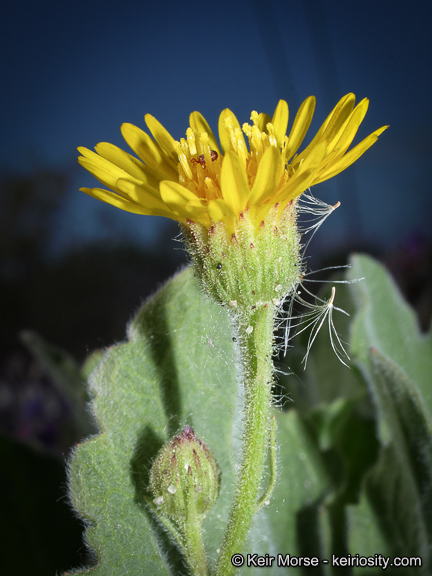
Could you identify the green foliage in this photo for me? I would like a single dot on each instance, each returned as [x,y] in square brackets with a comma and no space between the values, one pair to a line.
[177,368]
[355,446]
[396,363]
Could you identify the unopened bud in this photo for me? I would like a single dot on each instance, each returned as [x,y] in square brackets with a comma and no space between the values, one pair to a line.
[184,478]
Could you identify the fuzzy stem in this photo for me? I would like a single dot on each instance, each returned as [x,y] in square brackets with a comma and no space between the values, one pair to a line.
[188,539]
[258,373]
[272,467]
[194,545]
[169,526]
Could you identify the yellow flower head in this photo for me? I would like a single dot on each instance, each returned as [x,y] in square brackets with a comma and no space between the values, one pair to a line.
[195,180]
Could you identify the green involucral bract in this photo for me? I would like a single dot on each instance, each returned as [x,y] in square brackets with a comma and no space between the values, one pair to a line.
[253,266]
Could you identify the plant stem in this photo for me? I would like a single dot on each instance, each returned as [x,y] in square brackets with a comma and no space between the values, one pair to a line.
[272,467]
[255,329]
[188,538]
[194,545]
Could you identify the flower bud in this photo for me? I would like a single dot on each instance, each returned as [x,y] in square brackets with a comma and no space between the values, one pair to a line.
[184,479]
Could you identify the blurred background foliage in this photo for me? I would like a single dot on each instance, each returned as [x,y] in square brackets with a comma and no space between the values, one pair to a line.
[73,271]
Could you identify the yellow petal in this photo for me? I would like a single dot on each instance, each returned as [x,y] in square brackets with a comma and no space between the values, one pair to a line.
[334,120]
[304,176]
[300,127]
[297,187]
[120,181]
[234,182]
[350,157]
[97,160]
[219,210]
[120,158]
[151,185]
[216,211]
[263,120]
[150,152]
[137,192]
[183,203]
[268,177]
[162,137]
[224,134]
[280,121]
[127,163]
[115,200]
[341,141]
[334,127]
[338,116]
[101,169]
[199,124]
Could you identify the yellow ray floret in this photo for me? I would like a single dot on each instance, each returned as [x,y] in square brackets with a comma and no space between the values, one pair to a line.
[195,180]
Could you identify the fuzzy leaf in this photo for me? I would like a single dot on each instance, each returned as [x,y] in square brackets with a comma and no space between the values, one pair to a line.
[385,322]
[365,536]
[380,490]
[176,368]
[396,363]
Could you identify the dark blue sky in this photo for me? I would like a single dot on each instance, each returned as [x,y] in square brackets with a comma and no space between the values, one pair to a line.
[73,72]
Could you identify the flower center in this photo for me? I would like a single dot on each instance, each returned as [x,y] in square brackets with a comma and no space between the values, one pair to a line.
[199,166]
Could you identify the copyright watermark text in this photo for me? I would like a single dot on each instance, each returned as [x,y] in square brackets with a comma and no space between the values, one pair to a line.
[351,560]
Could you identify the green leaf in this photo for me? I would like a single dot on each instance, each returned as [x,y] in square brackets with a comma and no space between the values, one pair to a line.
[399,487]
[386,322]
[396,362]
[177,367]
[365,536]
[90,363]
[304,483]
[380,489]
